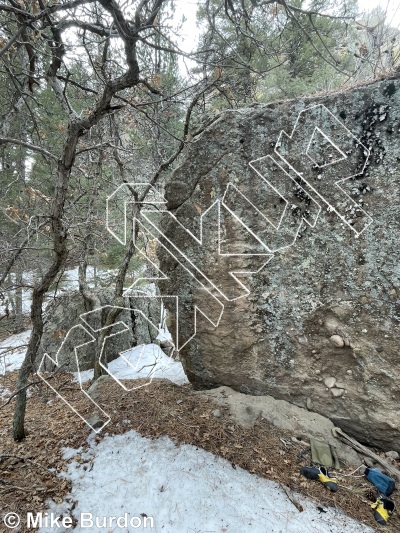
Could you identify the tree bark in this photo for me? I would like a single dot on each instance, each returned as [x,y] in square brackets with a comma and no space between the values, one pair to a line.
[78,126]
[19,318]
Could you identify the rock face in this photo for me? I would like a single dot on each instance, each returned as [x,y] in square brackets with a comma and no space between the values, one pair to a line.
[65,311]
[326,303]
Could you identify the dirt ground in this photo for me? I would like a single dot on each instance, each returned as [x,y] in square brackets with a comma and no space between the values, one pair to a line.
[28,470]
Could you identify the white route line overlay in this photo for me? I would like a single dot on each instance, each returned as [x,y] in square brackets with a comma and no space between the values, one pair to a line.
[344,157]
[89,330]
[155,198]
[197,309]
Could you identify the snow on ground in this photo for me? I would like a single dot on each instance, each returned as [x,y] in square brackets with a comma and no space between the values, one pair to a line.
[69,282]
[12,352]
[4,394]
[184,489]
[83,376]
[70,278]
[147,361]
[164,334]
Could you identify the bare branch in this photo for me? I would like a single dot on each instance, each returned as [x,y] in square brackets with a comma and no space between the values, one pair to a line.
[29,146]
[9,44]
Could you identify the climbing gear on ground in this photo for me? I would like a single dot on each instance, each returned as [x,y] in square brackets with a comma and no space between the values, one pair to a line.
[324,454]
[383,510]
[382,482]
[320,474]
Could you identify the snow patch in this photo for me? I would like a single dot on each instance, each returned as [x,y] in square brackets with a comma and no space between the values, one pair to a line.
[186,489]
[146,361]
[12,352]
[4,393]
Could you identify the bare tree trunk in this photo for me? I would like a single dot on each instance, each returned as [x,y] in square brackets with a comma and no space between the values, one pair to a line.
[92,302]
[34,342]
[19,318]
[60,255]
[79,126]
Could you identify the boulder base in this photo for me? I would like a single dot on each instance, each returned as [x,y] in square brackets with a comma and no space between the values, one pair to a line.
[326,304]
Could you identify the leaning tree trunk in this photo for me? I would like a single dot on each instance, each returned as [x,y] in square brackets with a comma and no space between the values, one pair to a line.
[78,126]
[60,253]
[39,292]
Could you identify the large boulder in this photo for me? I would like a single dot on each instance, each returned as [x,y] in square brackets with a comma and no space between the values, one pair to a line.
[69,311]
[320,325]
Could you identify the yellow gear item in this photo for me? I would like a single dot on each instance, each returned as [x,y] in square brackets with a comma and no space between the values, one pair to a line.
[320,474]
[383,510]
[329,482]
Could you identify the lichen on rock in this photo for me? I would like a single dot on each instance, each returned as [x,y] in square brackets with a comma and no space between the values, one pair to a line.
[333,271]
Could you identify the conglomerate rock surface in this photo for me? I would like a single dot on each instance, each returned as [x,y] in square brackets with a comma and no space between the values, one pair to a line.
[320,324]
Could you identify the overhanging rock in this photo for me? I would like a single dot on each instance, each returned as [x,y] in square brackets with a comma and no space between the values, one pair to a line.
[320,324]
